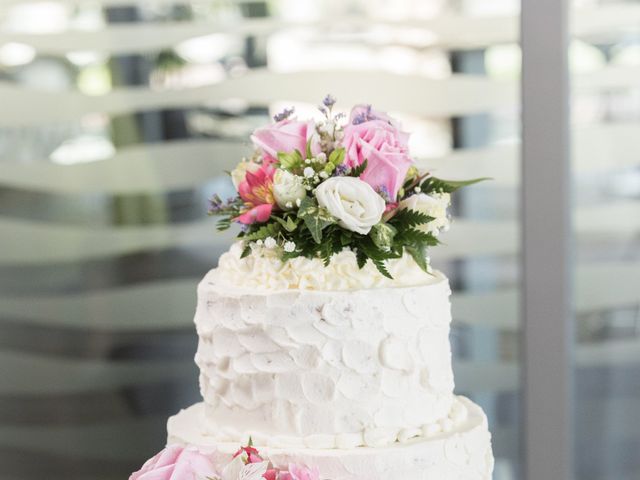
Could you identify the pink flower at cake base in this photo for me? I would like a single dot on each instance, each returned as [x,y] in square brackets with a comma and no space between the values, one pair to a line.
[256,190]
[374,137]
[299,472]
[286,136]
[253,456]
[176,463]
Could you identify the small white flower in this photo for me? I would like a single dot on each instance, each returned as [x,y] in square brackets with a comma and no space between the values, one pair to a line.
[287,188]
[298,202]
[324,174]
[270,242]
[417,189]
[307,161]
[308,172]
[321,157]
[353,202]
[289,246]
[259,243]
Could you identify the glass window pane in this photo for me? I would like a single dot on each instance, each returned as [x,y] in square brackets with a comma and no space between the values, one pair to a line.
[605,60]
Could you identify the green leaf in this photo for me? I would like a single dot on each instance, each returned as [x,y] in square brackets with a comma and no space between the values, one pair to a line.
[382,268]
[361,258]
[309,154]
[419,254]
[359,170]
[246,251]
[382,235]
[290,161]
[346,237]
[414,236]
[266,230]
[376,255]
[223,223]
[315,218]
[337,156]
[438,185]
[406,218]
[289,224]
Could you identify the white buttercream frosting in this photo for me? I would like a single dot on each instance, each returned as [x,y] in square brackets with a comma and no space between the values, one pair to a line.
[462,453]
[264,270]
[325,368]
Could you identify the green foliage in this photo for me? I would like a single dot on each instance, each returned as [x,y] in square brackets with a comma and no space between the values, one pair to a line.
[223,224]
[262,231]
[382,235]
[290,161]
[336,157]
[315,218]
[407,218]
[289,223]
[438,185]
[359,170]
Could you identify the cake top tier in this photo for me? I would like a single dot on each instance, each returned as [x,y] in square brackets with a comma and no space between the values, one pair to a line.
[315,187]
[264,270]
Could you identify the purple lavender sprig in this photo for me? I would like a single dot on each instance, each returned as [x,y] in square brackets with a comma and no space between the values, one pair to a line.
[329,101]
[283,115]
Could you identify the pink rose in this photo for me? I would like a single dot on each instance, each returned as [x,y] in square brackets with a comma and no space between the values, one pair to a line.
[299,472]
[257,192]
[176,463]
[374,136]
[286,136]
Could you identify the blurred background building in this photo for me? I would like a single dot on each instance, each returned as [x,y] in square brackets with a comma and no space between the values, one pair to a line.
[118,119]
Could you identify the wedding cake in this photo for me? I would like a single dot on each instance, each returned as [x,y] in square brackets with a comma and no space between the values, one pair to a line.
[324,332]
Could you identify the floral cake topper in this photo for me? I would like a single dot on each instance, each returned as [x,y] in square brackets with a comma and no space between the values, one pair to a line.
[313,189]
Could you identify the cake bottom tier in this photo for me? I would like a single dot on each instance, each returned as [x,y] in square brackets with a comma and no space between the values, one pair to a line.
[461,454]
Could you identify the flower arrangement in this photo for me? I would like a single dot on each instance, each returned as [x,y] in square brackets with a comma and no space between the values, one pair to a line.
[313,189]
[176,462]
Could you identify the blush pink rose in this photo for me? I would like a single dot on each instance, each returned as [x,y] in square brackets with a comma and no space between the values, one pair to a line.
[176,463]
[257,192]
[299,472]
[286,136]
[375,137]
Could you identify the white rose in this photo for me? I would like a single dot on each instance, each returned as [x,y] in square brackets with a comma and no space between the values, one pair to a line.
[434,205]
[288,189]
[353,202]
[238,173]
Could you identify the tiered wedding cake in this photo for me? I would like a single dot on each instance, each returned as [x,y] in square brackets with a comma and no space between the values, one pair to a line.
[324,333]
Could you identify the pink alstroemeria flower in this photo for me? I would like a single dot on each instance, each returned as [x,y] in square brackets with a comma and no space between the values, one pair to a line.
[375,137]
[253,456]
[257,192]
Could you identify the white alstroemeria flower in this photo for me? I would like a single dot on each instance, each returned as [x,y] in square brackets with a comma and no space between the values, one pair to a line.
[287,189]
[353,202]
[237,470]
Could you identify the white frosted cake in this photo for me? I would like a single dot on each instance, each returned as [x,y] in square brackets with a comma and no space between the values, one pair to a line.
[336,367]
[324,347]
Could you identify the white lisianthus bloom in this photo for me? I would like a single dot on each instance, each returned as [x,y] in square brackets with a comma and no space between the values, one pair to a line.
[434,205]
[353,202]
[288,189]
[238,173]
